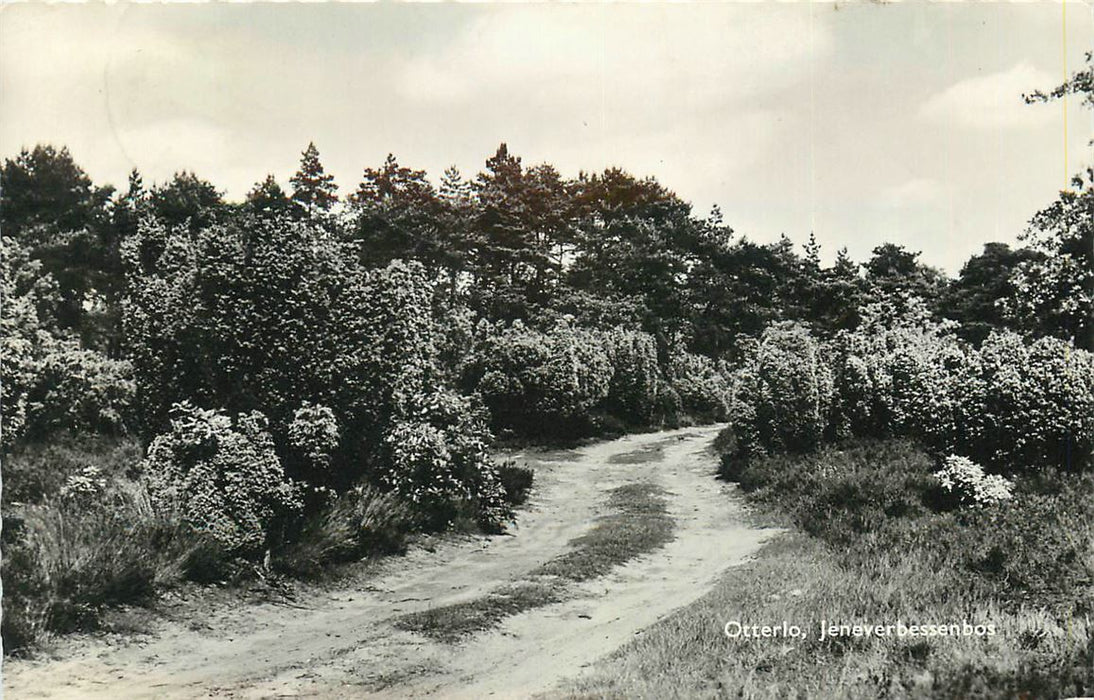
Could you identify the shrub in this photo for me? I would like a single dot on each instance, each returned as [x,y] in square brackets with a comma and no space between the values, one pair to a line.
[313,436]
[783,393]
[79,390]
[515,481]
[635,376]
[1033,405]
[436,458]
[84,487]
[700,388]
[541,383]
[840,494]
[965,481]
[220,475]
[855,409]
[255,313]
[905,377]
[48,383]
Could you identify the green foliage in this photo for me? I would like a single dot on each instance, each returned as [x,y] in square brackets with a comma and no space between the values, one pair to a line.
[436,458]
[538,382]
[874,500]
[985,287]
[34,473]
[398,215]
[221,476]
[783,393]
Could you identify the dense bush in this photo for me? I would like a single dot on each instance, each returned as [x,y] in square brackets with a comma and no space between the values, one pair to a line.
[783,393]
[539,383]
[1013,405]
[48,382]
[249,315]
[221,476]
[1031,404]
[438,461]
[699,386]
[901,373]
[515,481]
[636,376]
[313,437]
[965,482]
[570,381]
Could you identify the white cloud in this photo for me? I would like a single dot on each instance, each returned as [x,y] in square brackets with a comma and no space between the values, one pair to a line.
[915,192]
[630,54]
[992,101]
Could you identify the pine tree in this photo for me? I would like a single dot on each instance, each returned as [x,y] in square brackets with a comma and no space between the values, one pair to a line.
[268,199]
[314,191]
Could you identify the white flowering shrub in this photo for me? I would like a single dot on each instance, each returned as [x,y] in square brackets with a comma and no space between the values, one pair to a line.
[220,475]
[313,434]
[966,482]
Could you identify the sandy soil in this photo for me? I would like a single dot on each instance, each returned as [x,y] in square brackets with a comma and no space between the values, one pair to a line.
[342,644]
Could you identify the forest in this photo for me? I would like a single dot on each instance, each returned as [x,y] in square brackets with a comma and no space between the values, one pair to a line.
[206,390]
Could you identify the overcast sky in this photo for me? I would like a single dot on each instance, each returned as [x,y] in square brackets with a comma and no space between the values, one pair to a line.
[863,124]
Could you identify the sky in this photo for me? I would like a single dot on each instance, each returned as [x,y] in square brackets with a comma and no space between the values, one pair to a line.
[861,123]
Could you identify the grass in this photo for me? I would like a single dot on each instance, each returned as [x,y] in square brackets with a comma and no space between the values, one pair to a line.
[451,623]
[64,565]
[638,524]
[873,547]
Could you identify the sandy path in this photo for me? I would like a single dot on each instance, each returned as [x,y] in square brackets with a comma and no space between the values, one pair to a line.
[341,644]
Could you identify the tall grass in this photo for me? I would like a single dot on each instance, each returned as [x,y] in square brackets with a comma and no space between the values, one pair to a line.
[63,564]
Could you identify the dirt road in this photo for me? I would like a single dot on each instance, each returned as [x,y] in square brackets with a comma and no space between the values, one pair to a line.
[344,644]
